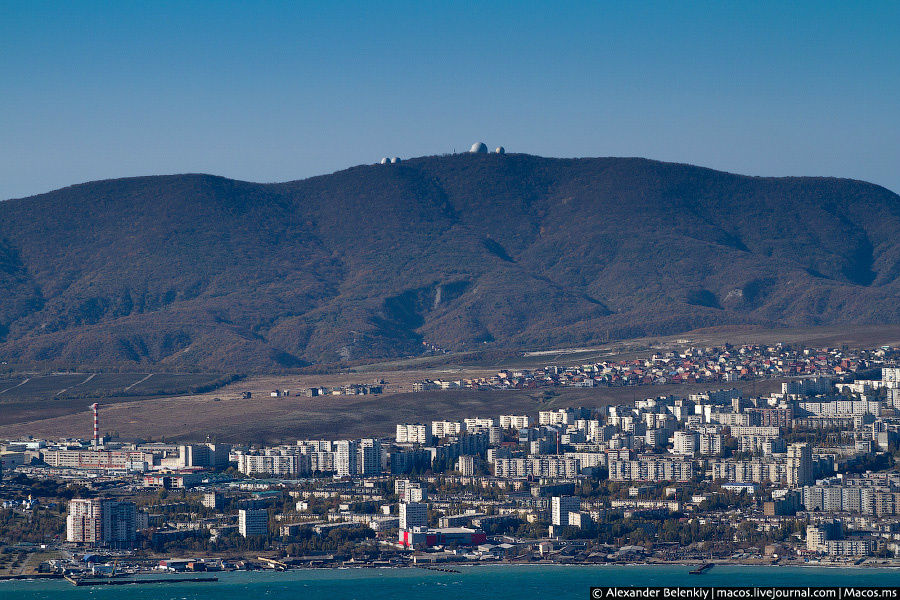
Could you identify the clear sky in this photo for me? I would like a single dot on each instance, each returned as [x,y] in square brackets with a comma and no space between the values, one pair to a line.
[269,91]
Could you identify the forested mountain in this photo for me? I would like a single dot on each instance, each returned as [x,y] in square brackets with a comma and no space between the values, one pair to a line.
[463,251]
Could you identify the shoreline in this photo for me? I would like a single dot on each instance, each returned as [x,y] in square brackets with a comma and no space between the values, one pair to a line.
[668,574]
[474,565]
[435,566]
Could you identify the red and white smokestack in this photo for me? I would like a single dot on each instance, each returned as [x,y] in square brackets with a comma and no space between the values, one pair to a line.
[95,407]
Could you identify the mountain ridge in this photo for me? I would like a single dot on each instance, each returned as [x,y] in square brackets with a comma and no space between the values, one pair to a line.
[455,252]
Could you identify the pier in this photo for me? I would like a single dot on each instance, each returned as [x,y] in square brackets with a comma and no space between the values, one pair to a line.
[441,569]
[82,581]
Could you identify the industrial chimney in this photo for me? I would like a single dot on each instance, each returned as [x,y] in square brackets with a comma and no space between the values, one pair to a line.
[95,407]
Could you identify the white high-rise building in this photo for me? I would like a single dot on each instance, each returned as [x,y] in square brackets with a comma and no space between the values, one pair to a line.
[101,522]
[561,506]
[495,435]
[253,522]
[440,429]
[204,455]
[686,442]
[890,375]
[466,465]
[514,421]
[413,433]
[369,460]
[815,538]
[273,464]
[799,465]
[214,500]
[413,514]
[414,491]
[710,443]
[84,524]
[475,422]
[561,416]
[345,457]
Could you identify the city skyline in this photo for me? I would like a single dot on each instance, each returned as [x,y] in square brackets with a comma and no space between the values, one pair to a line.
[362,288]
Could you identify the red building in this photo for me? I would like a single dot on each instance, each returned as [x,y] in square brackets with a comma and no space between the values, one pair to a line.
[424,537]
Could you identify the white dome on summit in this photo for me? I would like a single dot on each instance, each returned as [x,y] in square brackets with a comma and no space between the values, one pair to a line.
[500,150]
[478,148]
[385,160]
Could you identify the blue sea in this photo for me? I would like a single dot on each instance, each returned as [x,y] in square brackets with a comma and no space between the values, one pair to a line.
[497,582]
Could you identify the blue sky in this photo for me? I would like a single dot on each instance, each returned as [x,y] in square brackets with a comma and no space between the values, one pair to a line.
[269,91]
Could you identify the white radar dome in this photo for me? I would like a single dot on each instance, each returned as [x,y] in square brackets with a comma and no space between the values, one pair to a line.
[500,150]
[478,148]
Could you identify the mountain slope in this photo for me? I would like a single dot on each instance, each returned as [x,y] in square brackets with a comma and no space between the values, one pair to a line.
[194,271]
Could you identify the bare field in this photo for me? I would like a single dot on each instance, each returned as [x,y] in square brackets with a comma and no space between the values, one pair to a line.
[395,381]
[264,419]
[30,409]
[29,395]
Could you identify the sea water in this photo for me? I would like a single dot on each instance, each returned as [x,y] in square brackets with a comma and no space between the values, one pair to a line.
[497,582]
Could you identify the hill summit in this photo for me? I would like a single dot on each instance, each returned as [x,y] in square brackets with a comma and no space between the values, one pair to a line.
[453,252]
